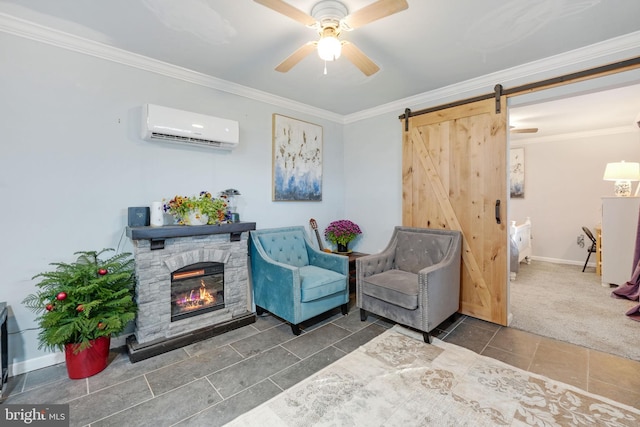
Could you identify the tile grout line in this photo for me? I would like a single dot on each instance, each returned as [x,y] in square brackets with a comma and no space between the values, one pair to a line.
[215,389]
[146,380]
[489,340]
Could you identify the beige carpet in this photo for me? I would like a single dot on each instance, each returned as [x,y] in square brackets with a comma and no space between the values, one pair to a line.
[560,301]
[398,380]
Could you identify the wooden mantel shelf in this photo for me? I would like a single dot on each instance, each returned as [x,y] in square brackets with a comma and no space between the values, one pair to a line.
[157,235]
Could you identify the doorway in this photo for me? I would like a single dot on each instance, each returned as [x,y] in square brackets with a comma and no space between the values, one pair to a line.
[582,126]
[580,130]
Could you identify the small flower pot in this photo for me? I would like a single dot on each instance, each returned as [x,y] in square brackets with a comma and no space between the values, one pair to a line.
[89,361]
[343,249]
[196,218]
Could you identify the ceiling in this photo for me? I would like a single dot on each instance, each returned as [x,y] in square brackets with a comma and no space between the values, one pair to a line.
[430,45]
[615,109]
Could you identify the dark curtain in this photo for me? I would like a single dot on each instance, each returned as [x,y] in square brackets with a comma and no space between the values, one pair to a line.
[631,289]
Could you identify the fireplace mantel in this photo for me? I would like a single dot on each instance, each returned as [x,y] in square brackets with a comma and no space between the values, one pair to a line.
[157,235]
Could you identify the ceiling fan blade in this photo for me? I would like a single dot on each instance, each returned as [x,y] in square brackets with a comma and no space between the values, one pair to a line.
[374,11]
[288,10]
[296,57]
[359,59]
[524,130]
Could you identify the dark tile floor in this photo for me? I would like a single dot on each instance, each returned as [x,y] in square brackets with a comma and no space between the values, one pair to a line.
[211,382]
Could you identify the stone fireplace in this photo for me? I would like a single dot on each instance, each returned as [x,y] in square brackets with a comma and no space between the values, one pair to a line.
[192,284]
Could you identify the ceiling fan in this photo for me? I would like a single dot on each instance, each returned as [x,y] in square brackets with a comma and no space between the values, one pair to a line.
[329,18]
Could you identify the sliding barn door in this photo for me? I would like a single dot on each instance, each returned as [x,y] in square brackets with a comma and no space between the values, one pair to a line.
[455,177]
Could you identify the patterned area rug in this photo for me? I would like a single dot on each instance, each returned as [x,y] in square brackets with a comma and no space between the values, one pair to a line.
[398,380]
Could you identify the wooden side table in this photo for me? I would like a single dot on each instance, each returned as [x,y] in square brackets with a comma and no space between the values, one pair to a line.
[352,269]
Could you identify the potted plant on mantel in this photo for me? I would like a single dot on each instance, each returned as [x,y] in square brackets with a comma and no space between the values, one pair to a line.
[199,210]
[81,305]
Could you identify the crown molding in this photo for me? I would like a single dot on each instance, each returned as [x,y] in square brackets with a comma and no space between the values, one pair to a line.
[612,50]
[606,51]
[29,30]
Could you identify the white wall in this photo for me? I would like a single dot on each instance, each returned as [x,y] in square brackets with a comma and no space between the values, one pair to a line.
[373,164]
[564,187]
[72,162]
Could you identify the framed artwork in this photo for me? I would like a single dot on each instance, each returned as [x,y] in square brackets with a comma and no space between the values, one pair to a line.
[516,173]
[297,160]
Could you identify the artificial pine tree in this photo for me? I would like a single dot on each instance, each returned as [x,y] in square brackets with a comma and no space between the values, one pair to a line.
[84,300]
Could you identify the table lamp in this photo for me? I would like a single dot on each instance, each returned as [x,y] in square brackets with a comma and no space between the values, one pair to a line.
[622,173]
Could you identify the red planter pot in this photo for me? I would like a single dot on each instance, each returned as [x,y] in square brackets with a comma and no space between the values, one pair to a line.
[89,361]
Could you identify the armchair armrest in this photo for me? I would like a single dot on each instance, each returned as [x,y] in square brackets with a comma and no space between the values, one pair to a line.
[441,282]
[329,261]
[369,265]
[274,283]
[450,261]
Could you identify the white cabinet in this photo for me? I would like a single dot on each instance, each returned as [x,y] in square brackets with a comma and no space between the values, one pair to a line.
[619,228]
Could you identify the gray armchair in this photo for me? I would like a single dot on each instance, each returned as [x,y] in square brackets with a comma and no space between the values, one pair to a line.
[415,281]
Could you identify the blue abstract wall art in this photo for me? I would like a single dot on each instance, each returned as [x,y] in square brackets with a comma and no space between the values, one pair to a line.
[516,175]
[297,160]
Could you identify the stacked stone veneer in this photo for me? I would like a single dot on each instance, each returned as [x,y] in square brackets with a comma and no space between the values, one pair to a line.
[153,289]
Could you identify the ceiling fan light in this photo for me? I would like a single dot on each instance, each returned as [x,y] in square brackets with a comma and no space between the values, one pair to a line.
[329,48]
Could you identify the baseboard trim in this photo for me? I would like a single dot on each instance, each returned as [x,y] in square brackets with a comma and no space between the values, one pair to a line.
[561,261]
[36,363]
[52,359]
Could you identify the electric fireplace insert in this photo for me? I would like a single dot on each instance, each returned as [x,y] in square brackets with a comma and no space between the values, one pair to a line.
[197,289]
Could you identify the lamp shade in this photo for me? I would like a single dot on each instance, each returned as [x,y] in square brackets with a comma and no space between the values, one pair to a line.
[622,171]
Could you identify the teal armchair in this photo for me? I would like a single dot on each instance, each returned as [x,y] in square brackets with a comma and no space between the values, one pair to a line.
[292,279]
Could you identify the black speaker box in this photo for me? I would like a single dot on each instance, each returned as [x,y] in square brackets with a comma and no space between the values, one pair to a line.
[138,217]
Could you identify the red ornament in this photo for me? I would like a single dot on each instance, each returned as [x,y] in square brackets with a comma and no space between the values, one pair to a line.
[100,325]
[102,271]
[80,308]
[49,307]
[61,296]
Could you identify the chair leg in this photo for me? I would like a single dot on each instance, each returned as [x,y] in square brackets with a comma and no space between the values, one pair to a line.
[585,263]
[363,314]
[345,309]
[426,337]
[295,329]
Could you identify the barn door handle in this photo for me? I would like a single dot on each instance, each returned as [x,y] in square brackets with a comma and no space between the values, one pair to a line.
[498,211]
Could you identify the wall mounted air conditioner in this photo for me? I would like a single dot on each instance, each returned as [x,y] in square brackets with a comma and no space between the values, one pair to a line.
[184,127]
